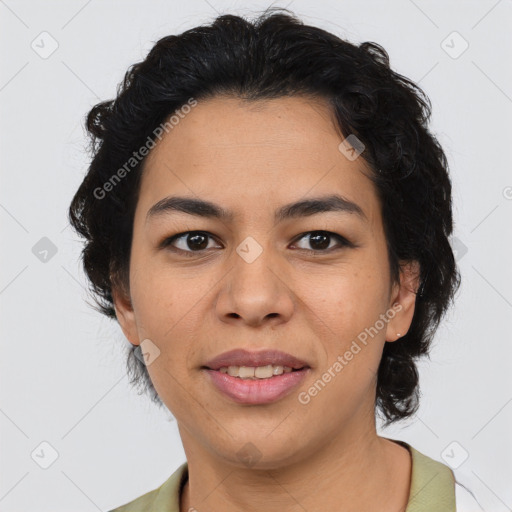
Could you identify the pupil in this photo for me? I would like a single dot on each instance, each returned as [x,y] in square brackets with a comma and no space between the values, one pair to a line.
[324,241]
[193,241]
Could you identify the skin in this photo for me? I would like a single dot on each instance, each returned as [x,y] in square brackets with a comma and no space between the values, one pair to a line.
[253,158]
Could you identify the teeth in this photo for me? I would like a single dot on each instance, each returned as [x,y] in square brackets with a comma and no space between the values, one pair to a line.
[251,372]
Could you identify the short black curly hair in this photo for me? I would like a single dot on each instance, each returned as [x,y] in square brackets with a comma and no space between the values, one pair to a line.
[274,56]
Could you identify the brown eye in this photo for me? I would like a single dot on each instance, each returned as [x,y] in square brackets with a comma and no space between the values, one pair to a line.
[188,242]
[191,242]
[320,241]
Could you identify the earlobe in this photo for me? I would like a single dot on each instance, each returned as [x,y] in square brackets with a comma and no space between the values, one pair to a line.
[125,315]
[403,301]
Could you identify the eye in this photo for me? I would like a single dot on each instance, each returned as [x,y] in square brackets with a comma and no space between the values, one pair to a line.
[321,241]
[191,241]
[197,242]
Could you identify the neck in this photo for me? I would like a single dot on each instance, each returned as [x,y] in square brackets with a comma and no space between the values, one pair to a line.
[356,470]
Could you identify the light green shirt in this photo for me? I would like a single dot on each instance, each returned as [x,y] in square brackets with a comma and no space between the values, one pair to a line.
[432,488]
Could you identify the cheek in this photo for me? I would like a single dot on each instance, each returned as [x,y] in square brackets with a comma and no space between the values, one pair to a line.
[348,299]
[352,349]
[168,312]
[158,297]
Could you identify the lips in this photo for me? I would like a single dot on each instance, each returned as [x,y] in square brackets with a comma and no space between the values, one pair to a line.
[241,357]
[259,391]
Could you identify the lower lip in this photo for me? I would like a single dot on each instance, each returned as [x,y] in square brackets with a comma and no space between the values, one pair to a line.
[261,391]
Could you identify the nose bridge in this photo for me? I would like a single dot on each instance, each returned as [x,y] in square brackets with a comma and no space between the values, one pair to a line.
[253,263]
[255,287]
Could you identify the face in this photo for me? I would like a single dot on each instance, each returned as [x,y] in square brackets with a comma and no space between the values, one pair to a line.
[307,282]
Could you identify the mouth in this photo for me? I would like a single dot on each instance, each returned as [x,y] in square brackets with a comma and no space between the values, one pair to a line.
[256,390]
[255,372]
[256,378]
[240,358]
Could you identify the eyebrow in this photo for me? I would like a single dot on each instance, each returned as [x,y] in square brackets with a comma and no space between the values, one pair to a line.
[304,208]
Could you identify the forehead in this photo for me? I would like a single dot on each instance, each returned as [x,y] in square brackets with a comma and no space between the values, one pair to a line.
[239,153]
[223,124]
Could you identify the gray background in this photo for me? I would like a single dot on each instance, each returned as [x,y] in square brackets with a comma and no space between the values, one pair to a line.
[62,367]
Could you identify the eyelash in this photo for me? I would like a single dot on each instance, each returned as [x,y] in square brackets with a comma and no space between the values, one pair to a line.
[167,243]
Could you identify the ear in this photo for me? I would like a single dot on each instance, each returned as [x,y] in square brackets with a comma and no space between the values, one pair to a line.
[403,300]
[125,315]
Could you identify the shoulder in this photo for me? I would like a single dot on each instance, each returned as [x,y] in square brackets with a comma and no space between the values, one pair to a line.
[433,482]
[432,485]
[144,502]
[165,498]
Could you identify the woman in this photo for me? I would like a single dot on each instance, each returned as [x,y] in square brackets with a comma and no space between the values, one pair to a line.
[267,216]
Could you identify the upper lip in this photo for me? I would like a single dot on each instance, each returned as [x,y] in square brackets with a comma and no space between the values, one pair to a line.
[241,357]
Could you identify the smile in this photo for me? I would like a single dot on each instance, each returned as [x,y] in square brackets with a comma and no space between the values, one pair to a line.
[254,385]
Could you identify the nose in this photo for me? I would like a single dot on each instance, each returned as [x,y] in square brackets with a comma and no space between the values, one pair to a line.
[256,291]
